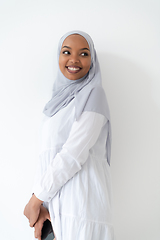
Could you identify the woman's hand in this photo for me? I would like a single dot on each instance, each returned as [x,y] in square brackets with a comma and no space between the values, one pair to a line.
[32,210]
[43,216]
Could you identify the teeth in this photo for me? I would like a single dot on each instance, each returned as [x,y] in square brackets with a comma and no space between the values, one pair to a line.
[73,69]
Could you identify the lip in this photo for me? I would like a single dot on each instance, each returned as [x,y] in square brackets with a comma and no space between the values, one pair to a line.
[73,69]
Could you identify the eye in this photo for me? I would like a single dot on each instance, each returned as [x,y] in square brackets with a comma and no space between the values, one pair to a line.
[66,52]
[84,54]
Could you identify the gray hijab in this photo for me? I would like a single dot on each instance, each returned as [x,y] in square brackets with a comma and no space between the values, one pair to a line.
[87,91]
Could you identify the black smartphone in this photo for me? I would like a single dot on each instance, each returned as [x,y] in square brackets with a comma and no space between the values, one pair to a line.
[46,229]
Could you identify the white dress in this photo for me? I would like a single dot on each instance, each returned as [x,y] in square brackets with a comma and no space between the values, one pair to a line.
[73,176]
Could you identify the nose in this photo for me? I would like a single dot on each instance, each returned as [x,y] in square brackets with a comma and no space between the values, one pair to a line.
[74,59]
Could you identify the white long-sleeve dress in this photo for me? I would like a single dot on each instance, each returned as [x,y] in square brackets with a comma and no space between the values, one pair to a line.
[73,176]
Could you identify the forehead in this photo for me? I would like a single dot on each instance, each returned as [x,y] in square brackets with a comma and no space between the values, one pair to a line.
[75,40]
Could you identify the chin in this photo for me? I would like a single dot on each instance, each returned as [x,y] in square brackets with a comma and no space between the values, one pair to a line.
[73,77]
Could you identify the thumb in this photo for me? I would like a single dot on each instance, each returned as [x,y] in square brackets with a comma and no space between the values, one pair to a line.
[32,223]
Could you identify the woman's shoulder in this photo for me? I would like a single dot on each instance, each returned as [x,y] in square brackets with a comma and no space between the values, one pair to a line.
[97,101]
[97,96]
[92,99]
[98,91]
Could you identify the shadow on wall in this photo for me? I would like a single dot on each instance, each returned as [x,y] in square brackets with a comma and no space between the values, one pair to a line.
[133,108]
[135,118]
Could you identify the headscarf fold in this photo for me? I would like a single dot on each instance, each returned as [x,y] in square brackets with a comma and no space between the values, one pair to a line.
[87,91]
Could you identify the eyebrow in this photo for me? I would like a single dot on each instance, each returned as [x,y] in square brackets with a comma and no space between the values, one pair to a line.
[84,49]
[80,49]
[66,47]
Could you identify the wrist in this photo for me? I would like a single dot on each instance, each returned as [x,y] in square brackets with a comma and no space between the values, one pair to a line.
[44,211]
[36,202]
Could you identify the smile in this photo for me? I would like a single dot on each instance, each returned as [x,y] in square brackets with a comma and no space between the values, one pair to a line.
[73,69]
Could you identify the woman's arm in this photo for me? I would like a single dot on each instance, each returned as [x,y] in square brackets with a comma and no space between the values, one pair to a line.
[74,153]
[32,210]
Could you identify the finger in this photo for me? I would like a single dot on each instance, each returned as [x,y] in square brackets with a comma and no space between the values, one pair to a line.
[37,234]
[33,220]
[32,224]
[38,229]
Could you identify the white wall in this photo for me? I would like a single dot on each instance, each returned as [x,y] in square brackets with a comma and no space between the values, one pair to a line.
[127,37]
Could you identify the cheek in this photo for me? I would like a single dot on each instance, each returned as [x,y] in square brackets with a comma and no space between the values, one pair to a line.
[87,65]
[62,63]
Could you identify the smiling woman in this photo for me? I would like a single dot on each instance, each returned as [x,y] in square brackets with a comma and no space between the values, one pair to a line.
[75,58]
[73,178]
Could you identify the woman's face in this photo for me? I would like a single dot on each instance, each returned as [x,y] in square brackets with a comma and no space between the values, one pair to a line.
[75,57]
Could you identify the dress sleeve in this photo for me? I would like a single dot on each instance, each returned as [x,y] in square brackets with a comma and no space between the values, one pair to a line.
[83,135]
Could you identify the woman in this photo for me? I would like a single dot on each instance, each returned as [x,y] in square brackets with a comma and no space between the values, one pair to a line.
[73,179]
